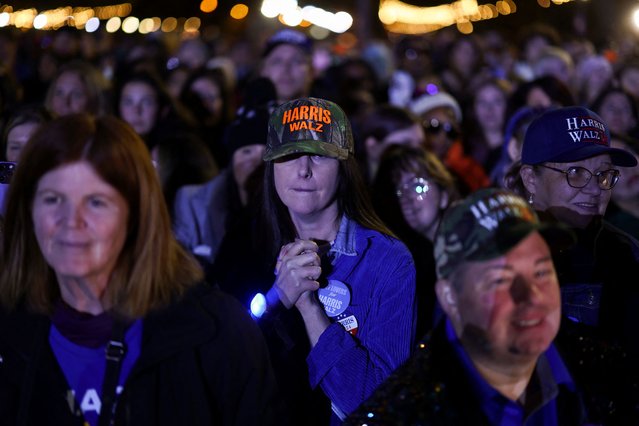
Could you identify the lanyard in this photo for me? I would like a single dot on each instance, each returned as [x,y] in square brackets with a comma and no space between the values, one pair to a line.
[115,352]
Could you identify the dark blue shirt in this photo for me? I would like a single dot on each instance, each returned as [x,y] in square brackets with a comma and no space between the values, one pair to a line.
[540,409]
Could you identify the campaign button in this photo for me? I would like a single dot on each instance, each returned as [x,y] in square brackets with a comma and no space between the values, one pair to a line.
[335,297]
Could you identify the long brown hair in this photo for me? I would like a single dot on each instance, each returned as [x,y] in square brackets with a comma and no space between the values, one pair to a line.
[353,200]
[152,267]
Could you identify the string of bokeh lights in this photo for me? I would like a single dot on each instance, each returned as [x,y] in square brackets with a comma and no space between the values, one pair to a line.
[402,18]
[397,17]
[118,18]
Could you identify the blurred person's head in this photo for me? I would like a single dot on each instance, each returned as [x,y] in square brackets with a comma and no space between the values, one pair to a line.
[464,55]
[568,166]
[556,62]
[245,138]
[19,128]
[78,87]
[542,92]
[142,100]
[628,76]
[193,53]
[384,126]
[534,38]
[489,100]
[286,61]
[206,94]
[516,130]
[175,79]
[626,191]
[440,115]
[592,75]
[412,187]
[182,159]
[618,109]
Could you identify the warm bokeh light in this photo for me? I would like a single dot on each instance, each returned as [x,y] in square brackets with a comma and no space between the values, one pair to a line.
[113,24]
[239,11]
[208,6]
[117,18]
[146,26]
[24,18]
[289,13]
[192,24]
[130,24]
[402,18]
[168,25]
[39,22]
[82,15]
[292,17]
[465,27]
[635,18]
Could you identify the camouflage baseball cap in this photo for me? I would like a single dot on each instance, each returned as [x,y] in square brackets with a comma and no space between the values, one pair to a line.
[309,126]
[487,224]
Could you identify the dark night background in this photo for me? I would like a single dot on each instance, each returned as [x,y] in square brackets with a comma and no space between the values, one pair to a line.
[604,16]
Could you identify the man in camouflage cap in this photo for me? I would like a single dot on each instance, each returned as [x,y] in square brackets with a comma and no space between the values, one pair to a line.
[492,360]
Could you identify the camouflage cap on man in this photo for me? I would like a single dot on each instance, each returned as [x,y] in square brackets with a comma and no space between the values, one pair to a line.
[486,225]
[309,126]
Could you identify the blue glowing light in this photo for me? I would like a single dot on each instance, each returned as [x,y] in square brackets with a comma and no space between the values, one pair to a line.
[258,305]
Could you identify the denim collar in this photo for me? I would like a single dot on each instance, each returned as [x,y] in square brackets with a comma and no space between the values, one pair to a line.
[344,243]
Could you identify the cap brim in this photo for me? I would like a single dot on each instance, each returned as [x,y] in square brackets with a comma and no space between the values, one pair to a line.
[558,237]
[619,157]
[306,147]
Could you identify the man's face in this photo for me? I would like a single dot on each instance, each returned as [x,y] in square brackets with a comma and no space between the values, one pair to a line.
[289,68]
[506,310]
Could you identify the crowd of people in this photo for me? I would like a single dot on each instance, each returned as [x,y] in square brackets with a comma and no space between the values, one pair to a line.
[436,229]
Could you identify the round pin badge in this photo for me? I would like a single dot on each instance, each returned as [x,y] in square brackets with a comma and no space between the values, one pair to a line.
[335,297]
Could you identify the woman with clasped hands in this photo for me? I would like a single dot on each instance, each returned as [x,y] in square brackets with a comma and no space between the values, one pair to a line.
[351,282]
[104,319]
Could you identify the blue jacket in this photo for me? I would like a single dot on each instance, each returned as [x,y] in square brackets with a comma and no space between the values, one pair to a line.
[343,368]
[380,273]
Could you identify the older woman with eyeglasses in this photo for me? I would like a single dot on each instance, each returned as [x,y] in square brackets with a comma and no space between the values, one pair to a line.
[569,171]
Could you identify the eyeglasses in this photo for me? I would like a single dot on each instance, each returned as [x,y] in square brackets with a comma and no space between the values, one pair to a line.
[578,177]
[434,126]
[417,188]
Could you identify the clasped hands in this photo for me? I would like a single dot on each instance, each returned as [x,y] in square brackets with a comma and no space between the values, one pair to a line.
[297,272]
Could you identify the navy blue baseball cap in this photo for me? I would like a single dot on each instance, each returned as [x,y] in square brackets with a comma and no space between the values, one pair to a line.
[569,134]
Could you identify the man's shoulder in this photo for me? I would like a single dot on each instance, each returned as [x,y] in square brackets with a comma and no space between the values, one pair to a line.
[613,235]
[427,389]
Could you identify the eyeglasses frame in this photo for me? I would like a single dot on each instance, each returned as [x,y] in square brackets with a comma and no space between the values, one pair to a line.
[615,177]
